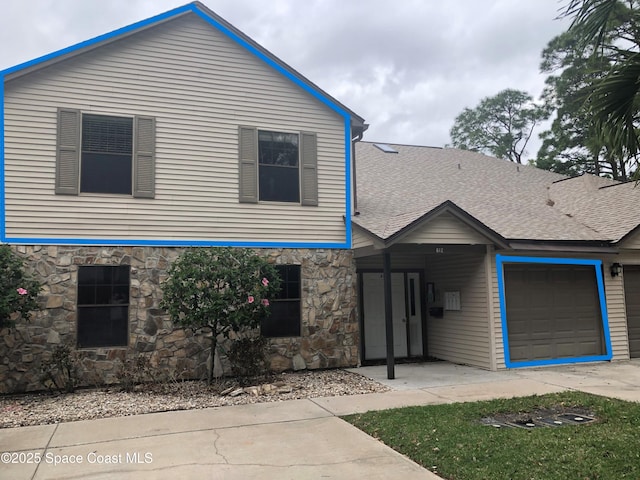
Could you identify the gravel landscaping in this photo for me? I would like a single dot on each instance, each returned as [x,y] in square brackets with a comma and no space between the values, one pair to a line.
[46,408]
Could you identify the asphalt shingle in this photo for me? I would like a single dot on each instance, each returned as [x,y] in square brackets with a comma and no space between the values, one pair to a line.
[516,201]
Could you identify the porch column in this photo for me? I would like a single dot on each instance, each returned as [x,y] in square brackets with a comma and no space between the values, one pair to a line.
[388,314]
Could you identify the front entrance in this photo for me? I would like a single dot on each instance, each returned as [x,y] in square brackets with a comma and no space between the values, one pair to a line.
[407,315]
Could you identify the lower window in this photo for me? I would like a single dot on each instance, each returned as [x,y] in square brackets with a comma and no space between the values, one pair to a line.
[284,320]
[103,306]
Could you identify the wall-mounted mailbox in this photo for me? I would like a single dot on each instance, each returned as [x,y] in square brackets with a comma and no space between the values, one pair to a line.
[452,300]
[436,312]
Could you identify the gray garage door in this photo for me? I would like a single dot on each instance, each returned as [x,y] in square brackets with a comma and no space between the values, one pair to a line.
[553,311]
[632,299]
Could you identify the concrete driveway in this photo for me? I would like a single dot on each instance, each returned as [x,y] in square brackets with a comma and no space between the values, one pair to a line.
[296,439]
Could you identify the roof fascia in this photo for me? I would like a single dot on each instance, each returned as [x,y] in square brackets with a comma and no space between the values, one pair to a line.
[628,235]
[563,246]
[449,207]
[276,63]
[212,19]
[378,243]
[87,45]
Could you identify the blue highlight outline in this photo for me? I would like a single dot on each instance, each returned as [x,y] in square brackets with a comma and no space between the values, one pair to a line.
[3,212]
[597,265]
[316,93]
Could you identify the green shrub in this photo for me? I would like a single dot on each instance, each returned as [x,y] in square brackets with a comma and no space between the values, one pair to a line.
[133,372]
[62,371]
[18,291]
[219,290]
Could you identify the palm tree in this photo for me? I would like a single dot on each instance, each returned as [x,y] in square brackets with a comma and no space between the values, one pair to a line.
[612,29]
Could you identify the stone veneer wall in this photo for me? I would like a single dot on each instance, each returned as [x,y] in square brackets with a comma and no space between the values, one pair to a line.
[330,334]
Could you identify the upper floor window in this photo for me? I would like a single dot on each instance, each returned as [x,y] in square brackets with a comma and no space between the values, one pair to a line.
[105,154]
[106,157]
[277,166]
[278,162]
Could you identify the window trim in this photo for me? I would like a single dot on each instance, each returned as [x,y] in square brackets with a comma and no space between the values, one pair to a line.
[80,306]
[249,168]
[69,153]
[82,151]
[298,166]
[287,300]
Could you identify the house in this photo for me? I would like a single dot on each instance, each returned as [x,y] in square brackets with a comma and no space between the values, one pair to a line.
[180,131]
[177,131]
[491,263]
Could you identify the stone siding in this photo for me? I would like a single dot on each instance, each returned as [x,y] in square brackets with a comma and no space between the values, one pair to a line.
[330,334]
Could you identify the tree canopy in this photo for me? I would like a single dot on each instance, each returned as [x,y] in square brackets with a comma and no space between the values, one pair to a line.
[575,143]
[501,125]
[606,40]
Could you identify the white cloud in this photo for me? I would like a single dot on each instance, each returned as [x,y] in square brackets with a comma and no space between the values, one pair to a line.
[408,67]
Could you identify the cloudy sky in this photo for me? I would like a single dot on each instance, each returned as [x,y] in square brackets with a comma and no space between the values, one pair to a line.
[407,66]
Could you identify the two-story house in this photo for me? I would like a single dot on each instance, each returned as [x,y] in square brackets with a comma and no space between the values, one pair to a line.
[174,132]
[180,131]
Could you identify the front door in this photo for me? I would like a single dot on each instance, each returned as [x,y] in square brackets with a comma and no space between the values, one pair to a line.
[407,315]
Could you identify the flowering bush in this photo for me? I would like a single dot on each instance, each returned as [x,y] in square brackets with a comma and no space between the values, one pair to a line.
[18,291]
[219,290]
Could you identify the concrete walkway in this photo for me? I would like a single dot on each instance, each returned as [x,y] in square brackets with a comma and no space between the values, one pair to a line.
[299,439]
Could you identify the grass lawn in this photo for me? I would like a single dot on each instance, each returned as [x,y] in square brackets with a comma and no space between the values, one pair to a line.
[451,440]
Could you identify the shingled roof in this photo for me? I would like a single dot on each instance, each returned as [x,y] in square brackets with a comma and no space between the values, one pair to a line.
[517,202]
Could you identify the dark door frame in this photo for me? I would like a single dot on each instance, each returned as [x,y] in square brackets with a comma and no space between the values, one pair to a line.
[423,308]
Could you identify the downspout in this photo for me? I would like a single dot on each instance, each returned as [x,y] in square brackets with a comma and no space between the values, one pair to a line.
[355,139]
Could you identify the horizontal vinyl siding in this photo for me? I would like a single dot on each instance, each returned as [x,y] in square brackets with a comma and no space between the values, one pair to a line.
[460,336]
[497,316]
[616,311]
[445,229]
[200,86]
[361,239]
[614,294]
[633,242]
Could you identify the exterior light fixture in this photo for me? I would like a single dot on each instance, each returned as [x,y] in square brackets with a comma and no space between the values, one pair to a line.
[616,268]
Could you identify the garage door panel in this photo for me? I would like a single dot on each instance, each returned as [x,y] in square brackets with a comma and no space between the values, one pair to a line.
[632,301]
[519,328]
[540,329]
[566,349]
[519,351]
[540,352]
[589,348]
[552,311]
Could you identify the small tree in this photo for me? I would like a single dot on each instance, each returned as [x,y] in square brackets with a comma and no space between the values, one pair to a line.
[219,290]
[18,291]
[500,125]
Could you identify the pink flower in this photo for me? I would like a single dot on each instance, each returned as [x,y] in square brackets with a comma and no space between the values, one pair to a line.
[250,299]
[22,291]
[265,302]
[265,282]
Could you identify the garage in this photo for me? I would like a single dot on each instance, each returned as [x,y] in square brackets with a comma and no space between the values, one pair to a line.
[552,312]
[632,301]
